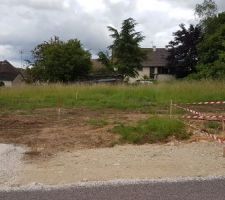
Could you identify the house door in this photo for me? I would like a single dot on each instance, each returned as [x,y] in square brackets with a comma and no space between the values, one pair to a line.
[152,71]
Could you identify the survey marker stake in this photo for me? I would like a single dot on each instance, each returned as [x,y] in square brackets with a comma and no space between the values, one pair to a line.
[171,108]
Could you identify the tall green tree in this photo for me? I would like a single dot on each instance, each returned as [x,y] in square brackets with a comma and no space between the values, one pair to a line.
[59,61]
[212,49]
[206,10]
[183,56]
[127,55]
[107,60]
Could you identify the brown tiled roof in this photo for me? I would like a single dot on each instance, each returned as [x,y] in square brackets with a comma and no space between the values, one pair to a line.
[7,71]
[156,58]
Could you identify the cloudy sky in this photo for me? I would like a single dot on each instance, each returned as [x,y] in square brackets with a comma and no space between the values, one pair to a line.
[26,23]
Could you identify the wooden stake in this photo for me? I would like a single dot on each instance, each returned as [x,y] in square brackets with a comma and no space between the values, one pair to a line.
[171,108]
[59,113]
[59,108]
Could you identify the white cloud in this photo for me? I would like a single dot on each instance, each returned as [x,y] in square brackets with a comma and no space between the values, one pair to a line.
[153,5]
[9,52]
[36,4]
[181,14]
[6,51]
[92,6]
[26,23]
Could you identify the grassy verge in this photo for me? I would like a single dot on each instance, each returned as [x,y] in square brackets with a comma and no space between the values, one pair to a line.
[106,96]
[157,129]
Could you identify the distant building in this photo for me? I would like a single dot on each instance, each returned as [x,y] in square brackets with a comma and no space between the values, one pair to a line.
[155,66]
[9,75]
[97,66]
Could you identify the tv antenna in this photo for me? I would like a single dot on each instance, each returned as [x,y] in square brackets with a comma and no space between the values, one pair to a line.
[21,57]
[152,43]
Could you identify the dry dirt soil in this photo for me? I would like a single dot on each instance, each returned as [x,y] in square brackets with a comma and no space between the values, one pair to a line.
[47,132]
[74,146]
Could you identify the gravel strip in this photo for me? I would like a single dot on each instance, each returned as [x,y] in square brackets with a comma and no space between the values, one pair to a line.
[121,182]
[10,162]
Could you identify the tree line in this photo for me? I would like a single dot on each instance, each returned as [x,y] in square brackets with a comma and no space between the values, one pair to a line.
[196,52]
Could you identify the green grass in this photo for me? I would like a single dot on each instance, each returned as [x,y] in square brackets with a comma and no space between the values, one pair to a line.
[106,96]
[213,125]
[157,129]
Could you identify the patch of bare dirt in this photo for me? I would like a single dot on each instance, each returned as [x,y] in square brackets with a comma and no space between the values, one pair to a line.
[48,131]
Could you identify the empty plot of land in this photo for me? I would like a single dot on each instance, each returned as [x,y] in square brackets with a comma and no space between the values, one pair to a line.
[76,145]
[47,132]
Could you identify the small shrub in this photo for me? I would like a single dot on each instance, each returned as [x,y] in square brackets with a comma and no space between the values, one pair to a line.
[212,125]
[157,129]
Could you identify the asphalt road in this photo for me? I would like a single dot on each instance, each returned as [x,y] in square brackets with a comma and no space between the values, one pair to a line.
[181,190]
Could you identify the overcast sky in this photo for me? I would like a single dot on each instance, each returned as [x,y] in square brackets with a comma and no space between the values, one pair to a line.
[26,23]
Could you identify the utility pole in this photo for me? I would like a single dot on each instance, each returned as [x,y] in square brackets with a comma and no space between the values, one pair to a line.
[21,58]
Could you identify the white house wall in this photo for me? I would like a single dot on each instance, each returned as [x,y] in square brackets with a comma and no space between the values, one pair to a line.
[165,77]
[145,72]
[7,83]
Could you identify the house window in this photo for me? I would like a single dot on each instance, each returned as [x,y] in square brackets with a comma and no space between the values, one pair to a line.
[163,70]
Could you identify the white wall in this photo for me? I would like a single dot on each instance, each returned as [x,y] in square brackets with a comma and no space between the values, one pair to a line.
[142,73]
[7,83]
[165,77]
[146,72]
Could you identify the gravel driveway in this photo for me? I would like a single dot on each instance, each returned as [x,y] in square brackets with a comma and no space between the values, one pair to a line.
[125,162]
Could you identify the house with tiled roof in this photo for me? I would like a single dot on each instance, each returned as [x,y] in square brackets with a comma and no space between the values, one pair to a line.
[155,65]
[9,75]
